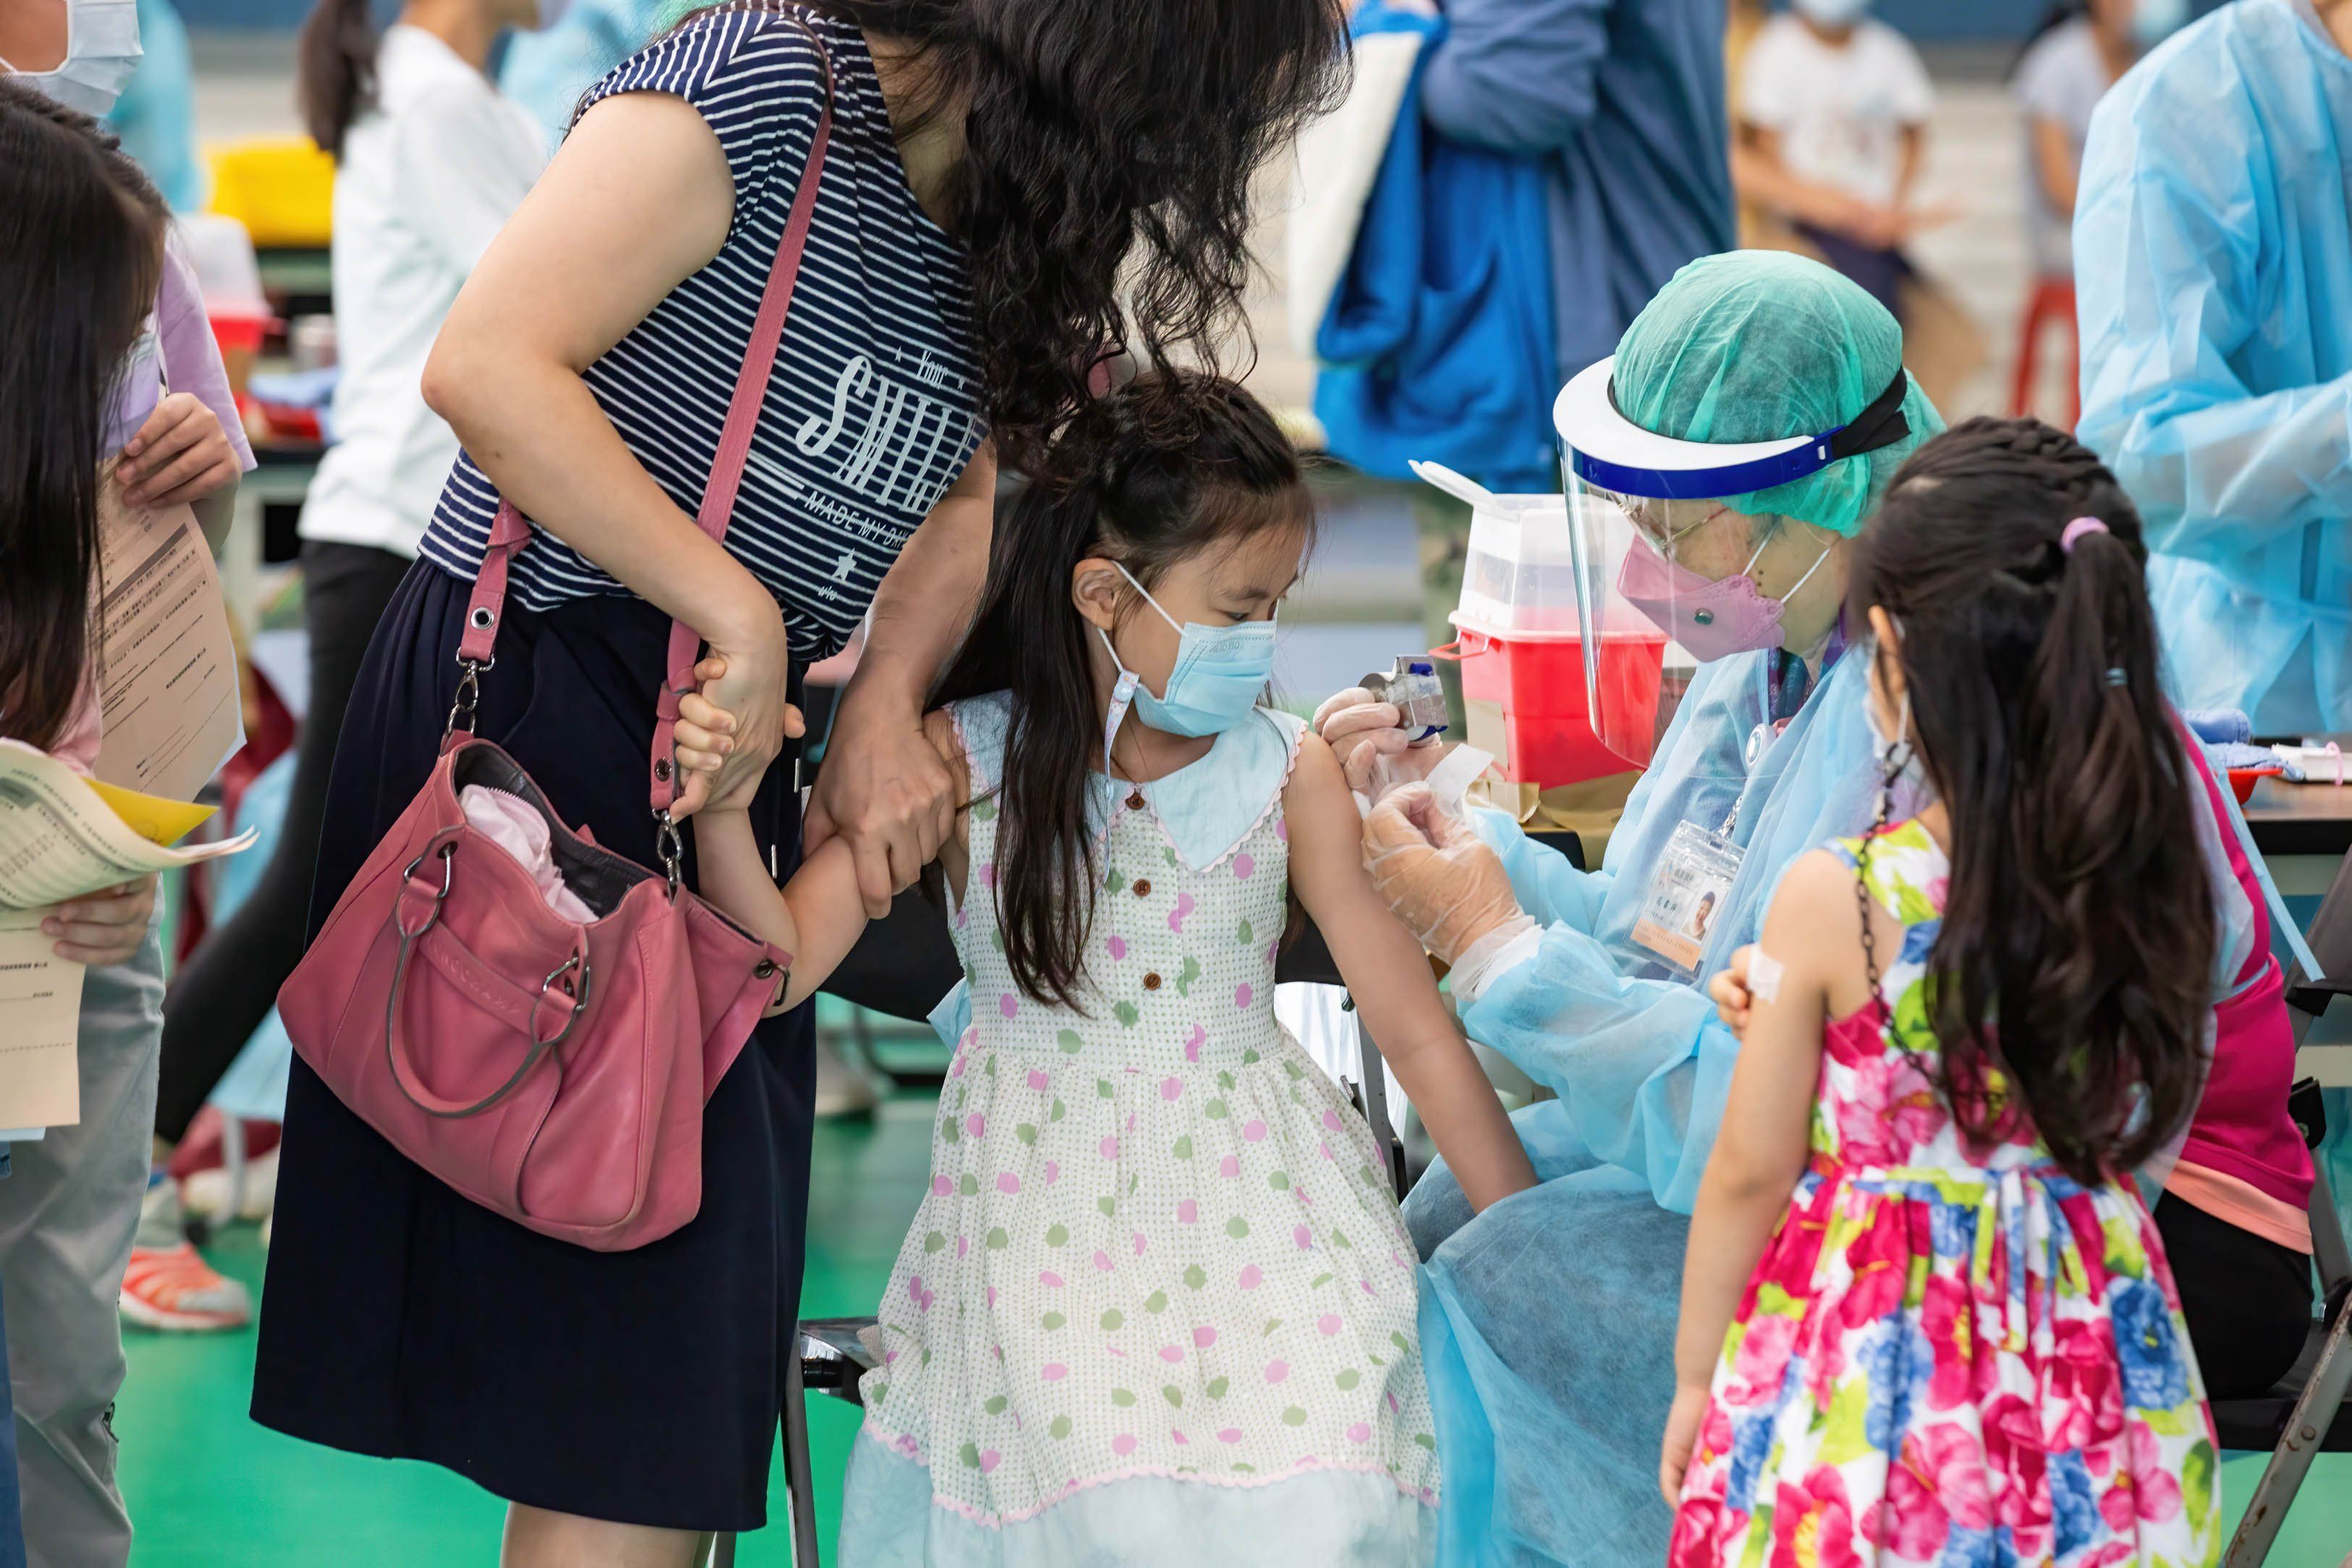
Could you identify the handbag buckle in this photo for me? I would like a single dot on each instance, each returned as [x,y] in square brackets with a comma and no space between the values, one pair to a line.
[448,850]
[670,848]
[579,999]
[468,695]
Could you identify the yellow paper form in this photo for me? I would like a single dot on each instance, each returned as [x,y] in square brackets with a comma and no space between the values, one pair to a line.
[167,676]
[40,1009]
[152,818]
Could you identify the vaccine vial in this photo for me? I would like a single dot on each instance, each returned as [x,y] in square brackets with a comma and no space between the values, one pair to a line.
[1412,685]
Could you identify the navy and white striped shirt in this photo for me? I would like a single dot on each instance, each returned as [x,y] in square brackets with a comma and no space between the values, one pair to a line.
[874,407]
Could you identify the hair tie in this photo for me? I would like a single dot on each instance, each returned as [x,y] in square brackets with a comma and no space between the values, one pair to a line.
[2076,529]
[2116,677]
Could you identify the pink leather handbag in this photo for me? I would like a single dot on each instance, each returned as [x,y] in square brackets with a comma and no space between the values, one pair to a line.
[554,1072]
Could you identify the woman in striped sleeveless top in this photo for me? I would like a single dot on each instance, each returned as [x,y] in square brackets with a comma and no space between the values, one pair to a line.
[1014,191]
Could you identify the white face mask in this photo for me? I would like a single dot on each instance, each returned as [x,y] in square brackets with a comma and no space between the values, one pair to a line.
[101,49]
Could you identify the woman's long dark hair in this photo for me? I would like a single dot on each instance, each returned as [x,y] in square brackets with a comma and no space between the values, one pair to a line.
[2077,942]
[1104,192]
[81,235]
[1179,464]
[334,69]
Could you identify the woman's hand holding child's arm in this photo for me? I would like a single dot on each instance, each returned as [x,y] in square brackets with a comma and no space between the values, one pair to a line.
[1761,1148]
[1393,990]
[817,916]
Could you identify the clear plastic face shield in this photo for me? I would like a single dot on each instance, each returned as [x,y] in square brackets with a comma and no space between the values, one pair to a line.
[1664,565]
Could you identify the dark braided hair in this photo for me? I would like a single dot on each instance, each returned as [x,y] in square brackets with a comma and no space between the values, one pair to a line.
[2077,941]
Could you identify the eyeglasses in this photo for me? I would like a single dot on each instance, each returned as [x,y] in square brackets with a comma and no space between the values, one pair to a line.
[1654,517]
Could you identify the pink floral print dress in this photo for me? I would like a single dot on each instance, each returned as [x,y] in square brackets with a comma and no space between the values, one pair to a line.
[1949,1357]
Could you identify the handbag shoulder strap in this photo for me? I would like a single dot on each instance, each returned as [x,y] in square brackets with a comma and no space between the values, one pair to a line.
[510,532]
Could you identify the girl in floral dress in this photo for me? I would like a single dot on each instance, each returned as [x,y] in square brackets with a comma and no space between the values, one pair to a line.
[1157,1305]
[1958,1342]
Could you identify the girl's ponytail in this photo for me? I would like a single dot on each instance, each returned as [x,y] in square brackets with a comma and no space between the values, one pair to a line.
[2076,947]
[335,70]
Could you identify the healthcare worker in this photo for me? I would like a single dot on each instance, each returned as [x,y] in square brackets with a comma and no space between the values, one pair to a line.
[1717,470]
[2213,260]
[1752,414]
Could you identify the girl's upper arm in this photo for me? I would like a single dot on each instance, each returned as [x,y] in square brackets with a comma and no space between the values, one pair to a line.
[1382,964]
[1812,930]
[1326,831]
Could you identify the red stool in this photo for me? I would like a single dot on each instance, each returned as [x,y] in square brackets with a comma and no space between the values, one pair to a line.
[2053,301]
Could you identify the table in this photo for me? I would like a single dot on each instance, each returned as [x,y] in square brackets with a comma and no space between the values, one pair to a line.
[2303,832]
[2301,821]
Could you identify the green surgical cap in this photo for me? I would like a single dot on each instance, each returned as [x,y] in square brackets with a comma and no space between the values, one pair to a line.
[1760,345]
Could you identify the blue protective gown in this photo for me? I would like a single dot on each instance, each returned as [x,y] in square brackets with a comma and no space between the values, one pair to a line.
[156,115]
[2214,255]
[547,70]
[1548,1322]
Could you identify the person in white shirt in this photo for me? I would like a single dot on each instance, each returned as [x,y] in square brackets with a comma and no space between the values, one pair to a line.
[431,159]
[1833,110]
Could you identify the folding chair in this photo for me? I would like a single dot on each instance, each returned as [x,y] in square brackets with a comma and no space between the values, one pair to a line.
[2305,1415]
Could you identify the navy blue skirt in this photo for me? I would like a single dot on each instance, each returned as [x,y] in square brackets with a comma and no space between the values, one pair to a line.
[404,1321]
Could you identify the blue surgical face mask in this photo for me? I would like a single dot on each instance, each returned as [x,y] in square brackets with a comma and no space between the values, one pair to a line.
[1218,676]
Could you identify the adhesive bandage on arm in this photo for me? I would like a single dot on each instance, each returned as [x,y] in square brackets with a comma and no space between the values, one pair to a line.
[1764,976]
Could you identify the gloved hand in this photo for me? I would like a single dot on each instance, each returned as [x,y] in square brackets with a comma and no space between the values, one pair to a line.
[1440,878]
[1361,731]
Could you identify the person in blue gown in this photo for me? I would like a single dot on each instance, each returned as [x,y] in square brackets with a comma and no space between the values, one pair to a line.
[546,71]
[2214,263]
[156,115]
[1547,1321]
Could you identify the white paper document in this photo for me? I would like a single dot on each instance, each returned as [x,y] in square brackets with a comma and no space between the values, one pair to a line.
[167,680]
[59,838]
[41,1006]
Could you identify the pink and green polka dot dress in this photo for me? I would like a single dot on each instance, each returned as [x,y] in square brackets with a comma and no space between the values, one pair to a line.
[1158,1301]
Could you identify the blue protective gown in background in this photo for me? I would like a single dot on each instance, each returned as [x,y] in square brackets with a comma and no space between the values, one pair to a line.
[547,70]
[2213,258]
[156,115]
[1548,1325]
[1622,100]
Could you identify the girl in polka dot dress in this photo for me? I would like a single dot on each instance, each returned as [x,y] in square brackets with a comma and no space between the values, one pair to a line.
[1157,1305]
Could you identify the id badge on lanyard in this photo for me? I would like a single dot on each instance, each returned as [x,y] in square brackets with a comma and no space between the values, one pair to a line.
[1691,888]
[1689,891]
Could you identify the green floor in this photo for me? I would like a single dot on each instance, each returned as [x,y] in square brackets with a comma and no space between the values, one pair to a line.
[210,1490]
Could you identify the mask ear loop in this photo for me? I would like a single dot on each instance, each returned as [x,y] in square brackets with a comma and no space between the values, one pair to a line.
[1749,568]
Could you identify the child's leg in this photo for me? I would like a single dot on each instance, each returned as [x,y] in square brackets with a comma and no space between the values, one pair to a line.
[66,1214]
